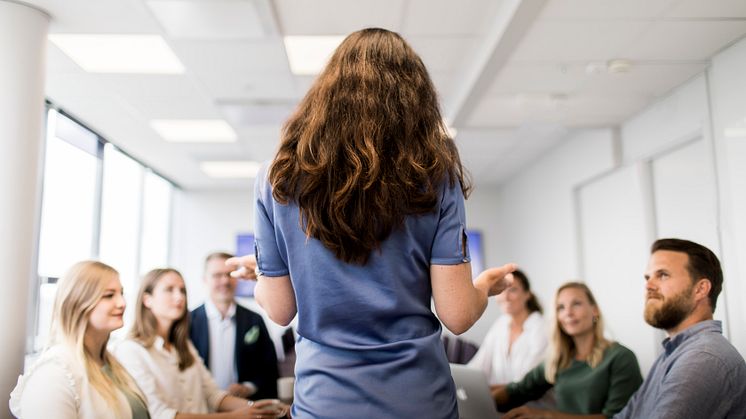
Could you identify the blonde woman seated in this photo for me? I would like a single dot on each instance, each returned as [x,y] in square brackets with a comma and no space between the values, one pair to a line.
[76,377]
[517,341]
[591,376]
[165,364]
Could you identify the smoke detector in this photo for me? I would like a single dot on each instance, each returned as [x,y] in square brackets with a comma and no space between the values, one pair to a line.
[618,66]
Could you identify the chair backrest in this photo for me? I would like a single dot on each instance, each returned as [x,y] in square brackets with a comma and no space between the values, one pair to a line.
[458,351]
[287,365]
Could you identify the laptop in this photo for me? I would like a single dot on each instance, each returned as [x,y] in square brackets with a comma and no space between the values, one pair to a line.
[473,393]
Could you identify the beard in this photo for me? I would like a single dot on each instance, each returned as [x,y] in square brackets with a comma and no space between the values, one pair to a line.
[672,311]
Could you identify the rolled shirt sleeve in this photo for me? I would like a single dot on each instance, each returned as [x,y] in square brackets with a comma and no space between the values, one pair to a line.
[269,260]
[450,241]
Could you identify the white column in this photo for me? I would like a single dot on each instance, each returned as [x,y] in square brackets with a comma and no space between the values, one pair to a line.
[23,36]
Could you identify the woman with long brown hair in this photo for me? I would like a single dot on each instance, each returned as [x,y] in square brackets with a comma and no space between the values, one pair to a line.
[359,224]
[76,376]
[165,364]
[592,377]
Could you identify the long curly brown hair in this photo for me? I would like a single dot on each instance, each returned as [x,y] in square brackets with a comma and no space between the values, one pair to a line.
[366,147]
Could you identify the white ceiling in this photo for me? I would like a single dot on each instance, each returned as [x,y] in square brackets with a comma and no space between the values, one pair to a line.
[512,74]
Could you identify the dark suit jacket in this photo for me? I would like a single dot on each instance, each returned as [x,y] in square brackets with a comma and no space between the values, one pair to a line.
[255,361]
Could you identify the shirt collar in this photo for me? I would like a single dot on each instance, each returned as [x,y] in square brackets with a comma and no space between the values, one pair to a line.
[159,343]
[670,344]
[533,320]
[213,313]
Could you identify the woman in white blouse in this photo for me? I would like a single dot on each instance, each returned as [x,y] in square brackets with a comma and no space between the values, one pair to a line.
[517,341]
[76,377]
[165,364]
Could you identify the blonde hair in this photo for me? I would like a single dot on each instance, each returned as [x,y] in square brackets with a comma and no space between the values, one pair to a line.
[78,293]
[145,328]
[562,346]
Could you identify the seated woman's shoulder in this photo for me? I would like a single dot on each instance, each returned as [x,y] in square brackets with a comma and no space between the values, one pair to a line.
[617,351]
[618,348]
[56,359]
[50,376]
[50,370]
[128,348]
[127,344]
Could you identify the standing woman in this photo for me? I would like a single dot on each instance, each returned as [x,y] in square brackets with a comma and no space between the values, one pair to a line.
[517,341]
[76,377]
[592,377]
[165,364]
[359,223]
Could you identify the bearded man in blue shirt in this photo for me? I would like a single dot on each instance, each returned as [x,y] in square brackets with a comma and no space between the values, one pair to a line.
[699,374]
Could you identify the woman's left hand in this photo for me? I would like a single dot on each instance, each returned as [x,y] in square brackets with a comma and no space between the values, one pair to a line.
[524,412]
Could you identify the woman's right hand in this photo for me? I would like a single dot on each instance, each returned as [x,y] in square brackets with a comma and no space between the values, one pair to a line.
[496,280]
[264,409]
[244,267]
[499,393]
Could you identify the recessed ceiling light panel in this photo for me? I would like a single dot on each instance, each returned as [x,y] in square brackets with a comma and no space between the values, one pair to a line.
[139,54]
[619,66]
[194,130]
[308,55]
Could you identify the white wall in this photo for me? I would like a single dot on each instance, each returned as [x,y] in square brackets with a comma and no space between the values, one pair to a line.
[675,136]
[676,118]
[538,209]
[482,214]
[205,222]
[541,213]
[727,82]
[615,235]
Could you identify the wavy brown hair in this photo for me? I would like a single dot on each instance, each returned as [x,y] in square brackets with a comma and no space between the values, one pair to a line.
[366,147]
[145,328]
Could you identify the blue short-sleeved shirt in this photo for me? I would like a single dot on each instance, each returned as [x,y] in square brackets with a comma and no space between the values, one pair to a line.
[369,344]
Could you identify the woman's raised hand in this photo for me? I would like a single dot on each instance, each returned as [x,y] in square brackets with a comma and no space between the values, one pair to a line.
[245,267]
[496,280]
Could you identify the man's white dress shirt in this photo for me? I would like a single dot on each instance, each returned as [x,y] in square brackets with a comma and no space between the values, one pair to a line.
[222,333]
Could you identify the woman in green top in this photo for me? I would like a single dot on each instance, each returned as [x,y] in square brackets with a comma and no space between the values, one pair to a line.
[591,376]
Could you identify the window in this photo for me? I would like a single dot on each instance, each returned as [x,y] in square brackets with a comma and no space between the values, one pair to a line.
[120,219]
[156,213]
[69,208]
[97,203]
